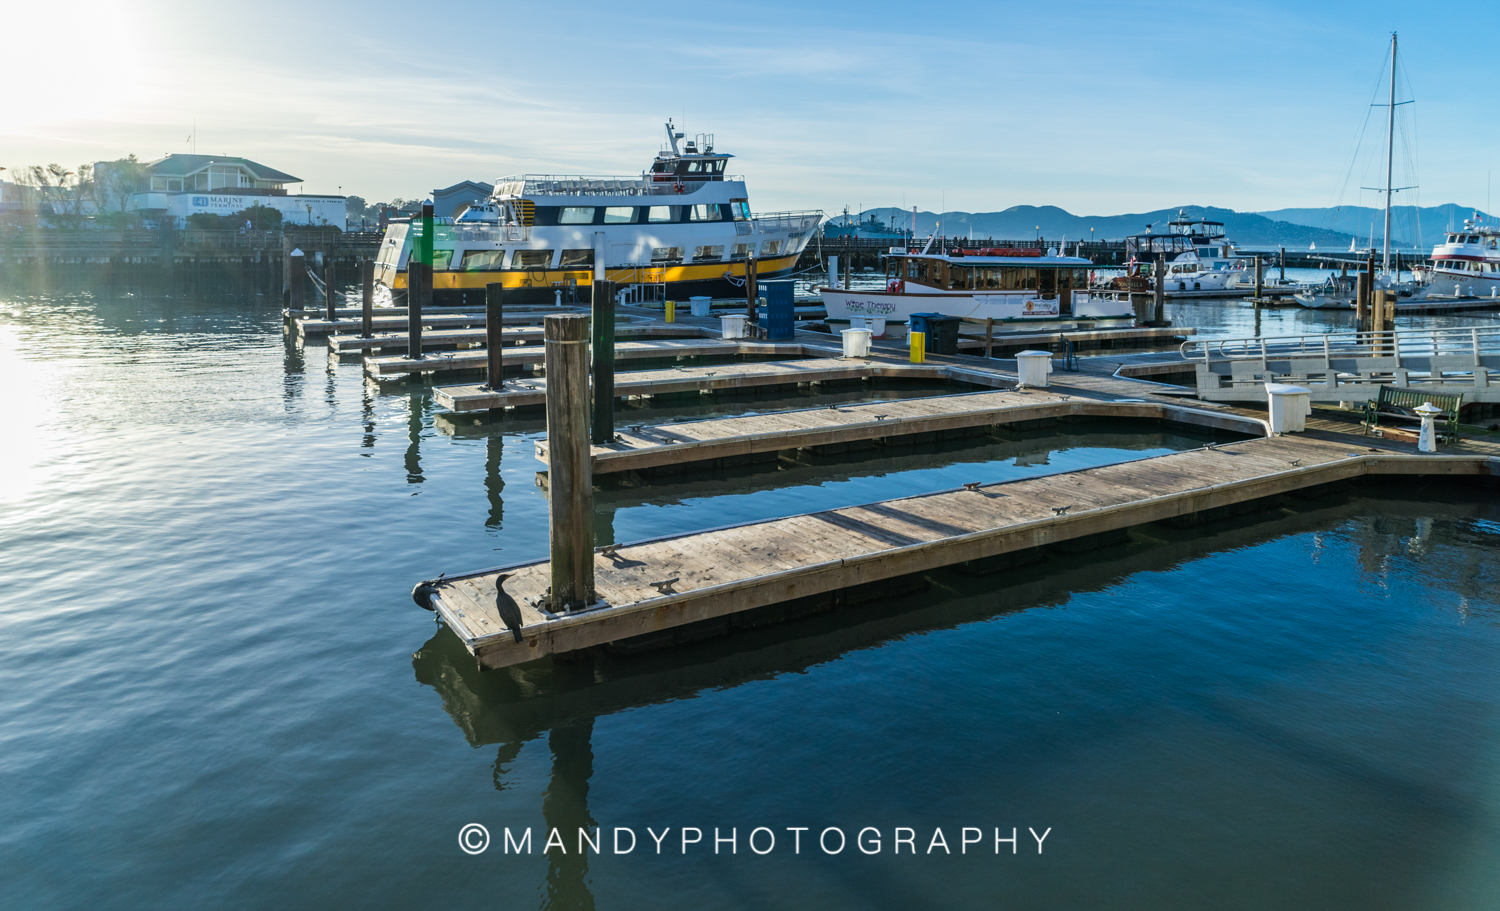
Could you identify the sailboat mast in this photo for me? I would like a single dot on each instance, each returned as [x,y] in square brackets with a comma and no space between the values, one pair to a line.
[1390,150]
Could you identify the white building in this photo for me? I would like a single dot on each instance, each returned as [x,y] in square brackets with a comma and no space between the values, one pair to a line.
[181,185]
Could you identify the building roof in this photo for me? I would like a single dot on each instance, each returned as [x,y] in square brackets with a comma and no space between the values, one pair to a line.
[182,165]
[485,188]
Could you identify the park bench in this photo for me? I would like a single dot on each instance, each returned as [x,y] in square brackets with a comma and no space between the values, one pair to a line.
[1395,403]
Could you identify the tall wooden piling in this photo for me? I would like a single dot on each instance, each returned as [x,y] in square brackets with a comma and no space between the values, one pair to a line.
[367,298]
[750,289]
[286,271]
[1260,282]
[604,362]
[570,504]
[296,281]
[1161,290]
[494,334]
[1281,263]
[330,281]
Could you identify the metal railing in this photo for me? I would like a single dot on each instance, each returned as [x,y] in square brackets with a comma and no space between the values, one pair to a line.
[1473,342]
[570,185]
[797,223]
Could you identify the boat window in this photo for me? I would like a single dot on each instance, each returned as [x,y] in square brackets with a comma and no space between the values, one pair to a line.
[770,248]
[575,258]
[1473,238]
[704,213]
[1048,282]
[660,214]
[576,215]
[911,270]
[483,260]
[441,259]
[742,251]
[531,259]
[715,252]
[740,208]
[619,215]
[958,278]
[666,254]
[986,278]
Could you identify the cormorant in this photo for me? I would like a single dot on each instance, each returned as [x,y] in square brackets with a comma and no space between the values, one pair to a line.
[509,610]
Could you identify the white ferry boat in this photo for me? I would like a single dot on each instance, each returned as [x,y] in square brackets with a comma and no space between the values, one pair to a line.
[1007,285]
[1467,263]
[682,228]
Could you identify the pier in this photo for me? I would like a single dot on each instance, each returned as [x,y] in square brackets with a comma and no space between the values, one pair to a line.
[726,575]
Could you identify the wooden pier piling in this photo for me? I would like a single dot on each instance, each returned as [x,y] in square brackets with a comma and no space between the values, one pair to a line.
[1160,315]
[604,362]
[367,299]
[494,335]
[419,284]
[296,281]
[750,287]
[330,281]
[570,506]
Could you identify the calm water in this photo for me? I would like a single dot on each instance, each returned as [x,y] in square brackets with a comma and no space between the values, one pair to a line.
[215,691]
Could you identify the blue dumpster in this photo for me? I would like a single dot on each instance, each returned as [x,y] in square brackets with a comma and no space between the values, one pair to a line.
[780,318]
[941,331]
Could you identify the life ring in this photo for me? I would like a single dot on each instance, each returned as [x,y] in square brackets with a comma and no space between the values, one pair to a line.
[895,286]
[678,187]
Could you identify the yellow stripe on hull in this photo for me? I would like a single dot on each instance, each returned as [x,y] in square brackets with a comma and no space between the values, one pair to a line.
[451,280]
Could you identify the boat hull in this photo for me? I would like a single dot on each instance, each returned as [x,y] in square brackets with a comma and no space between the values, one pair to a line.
[898,307]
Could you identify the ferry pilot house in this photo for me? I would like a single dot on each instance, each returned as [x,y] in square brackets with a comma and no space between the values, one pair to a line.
[1050,282]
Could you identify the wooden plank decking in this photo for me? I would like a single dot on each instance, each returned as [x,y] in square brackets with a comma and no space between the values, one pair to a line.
[533,391]
[435,362]
[307,326]
[724,571]
[399,341]
[641,447]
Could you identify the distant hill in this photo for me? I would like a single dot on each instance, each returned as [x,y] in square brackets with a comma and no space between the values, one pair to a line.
[1410,224]
[1249,229]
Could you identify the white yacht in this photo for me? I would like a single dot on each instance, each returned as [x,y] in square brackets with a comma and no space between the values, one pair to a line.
[1199,256]
[1467,263]
[684,227]
[1006,285]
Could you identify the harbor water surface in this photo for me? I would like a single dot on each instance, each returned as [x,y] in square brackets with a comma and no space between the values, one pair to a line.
[216,692]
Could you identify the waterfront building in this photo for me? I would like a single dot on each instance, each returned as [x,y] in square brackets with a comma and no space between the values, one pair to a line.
[181,185]
[451,201]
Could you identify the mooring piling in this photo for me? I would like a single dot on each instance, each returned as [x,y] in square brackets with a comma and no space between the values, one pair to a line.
[1160,317]
[419,284]
[750,290]
[367,299]
[1259,280]
[570,505]
[494,335]
[604,362]
[330,296]
[296,281]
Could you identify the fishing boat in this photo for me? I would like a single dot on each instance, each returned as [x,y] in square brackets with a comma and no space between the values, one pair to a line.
[681,228]
[1199,257]
[1006,285]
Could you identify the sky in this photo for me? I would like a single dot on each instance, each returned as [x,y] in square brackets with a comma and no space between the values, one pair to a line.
[1099,108]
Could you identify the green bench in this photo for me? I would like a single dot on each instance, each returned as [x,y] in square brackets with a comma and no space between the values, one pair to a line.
[1395,403]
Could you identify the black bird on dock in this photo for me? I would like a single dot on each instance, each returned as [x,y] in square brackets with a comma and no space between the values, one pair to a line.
[509,610]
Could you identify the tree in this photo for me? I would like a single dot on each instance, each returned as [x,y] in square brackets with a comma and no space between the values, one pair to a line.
[116,181]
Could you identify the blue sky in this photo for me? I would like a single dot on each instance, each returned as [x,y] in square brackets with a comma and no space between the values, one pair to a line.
[1100,108]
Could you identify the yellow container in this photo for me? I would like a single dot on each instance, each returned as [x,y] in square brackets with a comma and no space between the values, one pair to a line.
[918,347]
[671,311]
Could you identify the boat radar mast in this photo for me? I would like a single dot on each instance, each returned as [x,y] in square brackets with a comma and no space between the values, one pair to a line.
[1390,137]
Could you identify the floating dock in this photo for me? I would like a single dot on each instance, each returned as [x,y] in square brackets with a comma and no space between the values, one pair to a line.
[651,588]
[456,338]
[531,355]
[642,447]
[725,377]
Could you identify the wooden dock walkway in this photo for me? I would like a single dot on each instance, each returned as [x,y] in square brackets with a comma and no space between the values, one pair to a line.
[723,377]
[449,319]
[642,447]
[447,338]
[652,587]
[526,355]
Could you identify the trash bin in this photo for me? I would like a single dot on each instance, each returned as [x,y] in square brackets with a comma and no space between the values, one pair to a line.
[780,317]
[732,326]
[700,305]
[856,342]
[1033,367]
[1289,407]
[941,331]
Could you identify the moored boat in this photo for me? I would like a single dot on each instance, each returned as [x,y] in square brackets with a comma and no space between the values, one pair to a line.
[682,228]
[1006,285]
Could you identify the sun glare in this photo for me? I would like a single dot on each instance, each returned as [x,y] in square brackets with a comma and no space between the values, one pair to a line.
[96,77]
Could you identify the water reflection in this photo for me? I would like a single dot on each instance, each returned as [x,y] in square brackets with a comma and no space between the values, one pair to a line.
[416,411]
[494,484]
[565,808]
